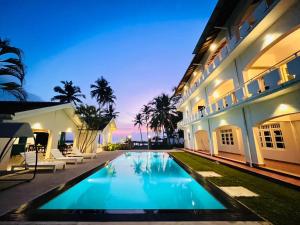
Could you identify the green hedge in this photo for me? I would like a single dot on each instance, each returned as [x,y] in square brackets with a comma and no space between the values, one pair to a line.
[117,146]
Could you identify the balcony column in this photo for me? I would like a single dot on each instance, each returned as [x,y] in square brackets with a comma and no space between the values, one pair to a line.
[193,146]
[52,143]
[76,136]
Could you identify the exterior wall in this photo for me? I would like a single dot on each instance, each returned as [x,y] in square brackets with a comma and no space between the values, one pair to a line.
[236,147]
[202,140]
[202,136]
[246,118]
[290,153]
[189,141]
[261,112]
[54,122]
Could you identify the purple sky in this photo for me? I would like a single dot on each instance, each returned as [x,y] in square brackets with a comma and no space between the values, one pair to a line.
[142,47]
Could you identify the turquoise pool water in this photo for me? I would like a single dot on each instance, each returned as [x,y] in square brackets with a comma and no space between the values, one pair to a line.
[137,180]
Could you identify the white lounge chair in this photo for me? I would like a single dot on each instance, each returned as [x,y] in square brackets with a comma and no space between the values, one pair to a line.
[29,162]
[76,152]
[59,156]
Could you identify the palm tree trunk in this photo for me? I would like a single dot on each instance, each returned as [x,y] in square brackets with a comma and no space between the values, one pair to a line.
[148,137]
[141,134]
[147,131]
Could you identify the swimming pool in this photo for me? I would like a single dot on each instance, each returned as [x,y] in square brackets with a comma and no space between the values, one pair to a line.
[137,181]
[136,186]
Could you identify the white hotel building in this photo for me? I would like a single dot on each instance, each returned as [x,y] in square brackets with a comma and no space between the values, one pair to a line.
[241,92]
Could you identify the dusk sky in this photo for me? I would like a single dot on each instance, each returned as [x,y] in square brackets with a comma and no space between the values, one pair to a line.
[142,47]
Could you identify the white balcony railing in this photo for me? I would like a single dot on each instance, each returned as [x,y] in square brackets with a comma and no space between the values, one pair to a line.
[257,15]
[264,83]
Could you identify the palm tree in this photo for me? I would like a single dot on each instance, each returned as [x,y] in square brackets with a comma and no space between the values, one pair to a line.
[163,114]
[68,93]
[93,122]
[110,112]
[103,93]
[138,121]
[146,113]
[12,70]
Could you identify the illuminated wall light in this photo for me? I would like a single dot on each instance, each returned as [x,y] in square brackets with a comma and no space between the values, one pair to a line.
[269,38]
[223,122]
[217,82]
[36,126]
[216,94]
[69,130]
[213,47]
[283,107]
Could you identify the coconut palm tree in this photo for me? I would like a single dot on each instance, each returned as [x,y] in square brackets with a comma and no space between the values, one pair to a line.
[138,121]
[68,93]
[163,114]
[146,113]
[12,71]
[103,93]
[93,122]
[111,113]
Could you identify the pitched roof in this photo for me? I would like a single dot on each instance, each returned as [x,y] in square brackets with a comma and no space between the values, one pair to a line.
[218,18]
[12,107]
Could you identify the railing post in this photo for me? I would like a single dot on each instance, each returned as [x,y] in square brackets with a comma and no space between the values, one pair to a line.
[245,91]
[261,84]
[233,98]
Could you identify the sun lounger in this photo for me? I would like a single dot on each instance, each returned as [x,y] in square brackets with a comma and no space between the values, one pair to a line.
[59,156]
[29,162]
[76,152]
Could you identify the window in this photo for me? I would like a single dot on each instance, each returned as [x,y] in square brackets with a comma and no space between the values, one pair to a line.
[270,136]
[227,137]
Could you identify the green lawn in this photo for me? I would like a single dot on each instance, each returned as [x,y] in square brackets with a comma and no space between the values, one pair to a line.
[277,203]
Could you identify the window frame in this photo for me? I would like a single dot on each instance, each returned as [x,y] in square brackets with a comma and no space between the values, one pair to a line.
[271,128]
[226,137]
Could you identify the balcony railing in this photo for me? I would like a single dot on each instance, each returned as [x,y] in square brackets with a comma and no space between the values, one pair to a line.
[261,84]
[257,15]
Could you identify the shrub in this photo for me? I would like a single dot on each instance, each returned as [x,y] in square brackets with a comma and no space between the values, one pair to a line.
[116,146]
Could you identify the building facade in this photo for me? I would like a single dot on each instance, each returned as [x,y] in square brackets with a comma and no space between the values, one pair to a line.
[49,121]
[240,94]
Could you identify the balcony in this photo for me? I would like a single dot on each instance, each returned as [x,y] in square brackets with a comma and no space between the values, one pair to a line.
[262,84]
[252,20]
[205,73]
[257,15]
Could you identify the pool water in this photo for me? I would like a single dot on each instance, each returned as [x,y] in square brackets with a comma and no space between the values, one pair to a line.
[137,181]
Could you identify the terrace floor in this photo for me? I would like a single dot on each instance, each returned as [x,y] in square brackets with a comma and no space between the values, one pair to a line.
[283,167]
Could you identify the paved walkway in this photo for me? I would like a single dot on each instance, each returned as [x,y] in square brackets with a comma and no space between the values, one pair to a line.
[267,174]
[14,197]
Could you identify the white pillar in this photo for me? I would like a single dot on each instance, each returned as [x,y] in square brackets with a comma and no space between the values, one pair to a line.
[52,143]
